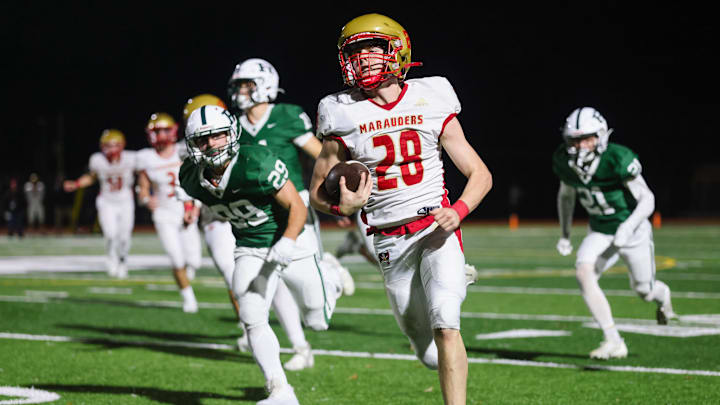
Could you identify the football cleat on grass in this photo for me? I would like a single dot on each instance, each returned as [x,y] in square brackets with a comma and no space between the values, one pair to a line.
[610,349]
[280,394]
[665,313]
[302,359]
[471,274]
[190,306]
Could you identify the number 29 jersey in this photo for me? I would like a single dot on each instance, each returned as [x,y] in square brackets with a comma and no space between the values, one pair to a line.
[245,195]
[604,195]
[398,142]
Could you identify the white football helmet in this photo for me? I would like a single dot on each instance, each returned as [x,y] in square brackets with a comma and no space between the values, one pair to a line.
[262,74]
[581,123]
[205,121]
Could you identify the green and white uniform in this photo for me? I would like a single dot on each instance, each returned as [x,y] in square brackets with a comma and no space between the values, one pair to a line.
[610,191]
[245,197]
[284,129]
[604,195]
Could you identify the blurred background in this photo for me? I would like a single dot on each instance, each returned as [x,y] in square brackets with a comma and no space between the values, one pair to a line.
[72,70]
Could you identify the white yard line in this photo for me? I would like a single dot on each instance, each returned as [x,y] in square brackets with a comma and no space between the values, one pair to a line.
[342,353]
[687,320]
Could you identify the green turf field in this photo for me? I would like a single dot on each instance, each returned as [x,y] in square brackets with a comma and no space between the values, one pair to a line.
[89,339]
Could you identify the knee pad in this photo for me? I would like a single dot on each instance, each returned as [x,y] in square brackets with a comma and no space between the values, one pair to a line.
[585,274]
[253,311]
[644,290]
[315,320]
[430,358]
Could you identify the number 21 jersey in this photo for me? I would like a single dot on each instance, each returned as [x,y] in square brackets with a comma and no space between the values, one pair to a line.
[398,142]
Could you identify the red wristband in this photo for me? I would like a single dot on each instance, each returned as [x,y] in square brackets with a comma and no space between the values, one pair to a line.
[335,209]
[461,208]
[189,206]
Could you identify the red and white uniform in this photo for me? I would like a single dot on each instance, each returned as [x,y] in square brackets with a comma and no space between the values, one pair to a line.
[400,145]
[115,203]
[182,243]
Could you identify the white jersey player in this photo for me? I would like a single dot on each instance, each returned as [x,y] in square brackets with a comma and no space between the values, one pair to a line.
[159,191]
[397,127]
[114,169]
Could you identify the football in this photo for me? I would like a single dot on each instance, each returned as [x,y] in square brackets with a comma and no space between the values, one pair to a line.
[352,170]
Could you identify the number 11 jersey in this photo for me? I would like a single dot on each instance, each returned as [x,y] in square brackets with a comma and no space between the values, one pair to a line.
[398,142]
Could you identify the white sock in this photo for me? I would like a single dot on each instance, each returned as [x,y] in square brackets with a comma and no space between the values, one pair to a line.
[596,301]
[266,351]
[611,333]
[659,292]
[288,315]
[187,293]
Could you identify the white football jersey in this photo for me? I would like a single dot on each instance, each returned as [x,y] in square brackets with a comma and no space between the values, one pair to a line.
[116,178]
[163,174]
[398,142]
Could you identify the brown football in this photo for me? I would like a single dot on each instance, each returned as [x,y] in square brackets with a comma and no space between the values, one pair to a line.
[351,170]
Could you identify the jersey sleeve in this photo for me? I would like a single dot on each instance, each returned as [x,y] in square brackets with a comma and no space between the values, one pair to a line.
[324,119]
[185,175]
[628,166]
[269,172]
[446,92]
[299,125]
[94,162]
[560,166]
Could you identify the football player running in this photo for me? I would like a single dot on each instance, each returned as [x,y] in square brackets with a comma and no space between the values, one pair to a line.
[285,129]
[396,127]
[607,180]
[114,168]
[174,220]
[249,186]
[216,230]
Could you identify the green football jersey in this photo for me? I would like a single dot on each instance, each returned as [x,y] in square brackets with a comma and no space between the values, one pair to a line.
[280,126]
[245,194]
[603,194]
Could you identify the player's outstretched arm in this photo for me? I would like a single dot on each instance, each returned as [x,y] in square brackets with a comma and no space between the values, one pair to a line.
[565,207]
[479,179]
[144,196]
[86,180]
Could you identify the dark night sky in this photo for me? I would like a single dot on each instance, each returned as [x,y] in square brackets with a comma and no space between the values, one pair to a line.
[517,71]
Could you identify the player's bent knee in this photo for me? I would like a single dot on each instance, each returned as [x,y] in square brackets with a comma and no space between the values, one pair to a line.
[430,358]
[585,274]
[643,290]
[315,319]
[253,312]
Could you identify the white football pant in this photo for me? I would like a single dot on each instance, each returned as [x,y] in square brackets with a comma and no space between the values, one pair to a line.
[116,221]
[425,281]
[182,243]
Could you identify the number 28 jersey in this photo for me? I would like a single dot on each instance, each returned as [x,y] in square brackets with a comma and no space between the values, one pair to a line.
[398,142]
[604,196]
